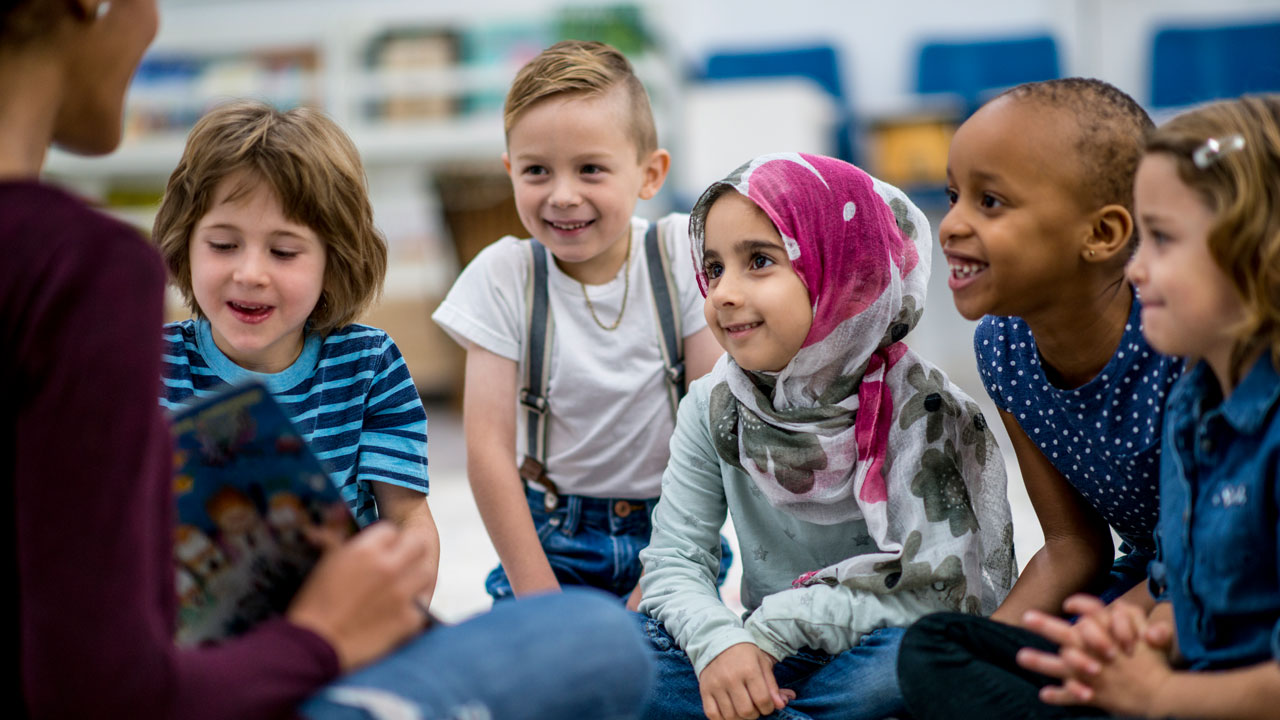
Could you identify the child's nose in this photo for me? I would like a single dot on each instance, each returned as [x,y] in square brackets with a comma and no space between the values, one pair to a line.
[565,193]
[725,293]
[251,270]
[953,226]
[1136,268]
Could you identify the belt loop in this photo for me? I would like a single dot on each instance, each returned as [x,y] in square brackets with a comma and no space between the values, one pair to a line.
[573,513]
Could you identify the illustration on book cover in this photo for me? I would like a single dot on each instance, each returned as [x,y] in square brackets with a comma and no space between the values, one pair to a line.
[247,488]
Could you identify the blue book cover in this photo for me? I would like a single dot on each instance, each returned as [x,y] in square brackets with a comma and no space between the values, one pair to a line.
[247,489]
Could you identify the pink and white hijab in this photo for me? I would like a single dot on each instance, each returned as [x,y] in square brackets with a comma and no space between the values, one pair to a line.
[857,426]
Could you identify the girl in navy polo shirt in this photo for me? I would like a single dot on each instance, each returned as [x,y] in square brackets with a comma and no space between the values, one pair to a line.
[1208,272]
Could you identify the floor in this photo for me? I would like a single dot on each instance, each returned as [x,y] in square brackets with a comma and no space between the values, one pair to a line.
[943,337]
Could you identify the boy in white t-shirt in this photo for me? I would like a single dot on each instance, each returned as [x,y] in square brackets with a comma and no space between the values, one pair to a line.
[574,338]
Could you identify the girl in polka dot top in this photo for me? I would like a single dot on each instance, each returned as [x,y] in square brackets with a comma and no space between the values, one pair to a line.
[1037,238]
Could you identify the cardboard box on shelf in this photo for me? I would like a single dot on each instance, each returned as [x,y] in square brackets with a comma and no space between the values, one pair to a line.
[910,151]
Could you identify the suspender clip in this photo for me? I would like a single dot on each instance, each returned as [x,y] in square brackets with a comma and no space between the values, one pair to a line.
[675,375]
[536,403]
[533,473]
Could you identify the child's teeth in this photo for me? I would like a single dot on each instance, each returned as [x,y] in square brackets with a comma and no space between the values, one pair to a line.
[965,270]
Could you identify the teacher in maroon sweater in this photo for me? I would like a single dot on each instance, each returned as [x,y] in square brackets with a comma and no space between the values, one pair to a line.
[85,459]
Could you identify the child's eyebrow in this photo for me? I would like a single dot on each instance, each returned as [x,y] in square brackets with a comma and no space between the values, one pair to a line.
[985,176]
[282,232]
[592,156]
[751,245]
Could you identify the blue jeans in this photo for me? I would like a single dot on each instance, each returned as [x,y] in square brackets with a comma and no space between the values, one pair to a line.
[858,684]
[593,542]
[570,655]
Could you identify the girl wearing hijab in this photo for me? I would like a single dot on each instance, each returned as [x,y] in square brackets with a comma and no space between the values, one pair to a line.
[865,487]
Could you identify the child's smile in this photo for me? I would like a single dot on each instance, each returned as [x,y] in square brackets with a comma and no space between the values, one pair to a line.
[569,228]
[963,270]
[256,275]
[757,306]
[739,331]
[251,314]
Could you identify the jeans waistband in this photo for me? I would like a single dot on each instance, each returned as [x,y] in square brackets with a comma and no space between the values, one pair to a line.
[601,512]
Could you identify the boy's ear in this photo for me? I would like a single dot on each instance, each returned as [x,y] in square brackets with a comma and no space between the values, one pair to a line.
[506,162]
[655,169]
[1111,231]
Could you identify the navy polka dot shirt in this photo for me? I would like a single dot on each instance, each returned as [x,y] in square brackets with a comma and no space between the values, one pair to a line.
[1103,436]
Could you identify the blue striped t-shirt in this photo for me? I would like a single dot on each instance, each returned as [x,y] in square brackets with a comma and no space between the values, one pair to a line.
[349,394]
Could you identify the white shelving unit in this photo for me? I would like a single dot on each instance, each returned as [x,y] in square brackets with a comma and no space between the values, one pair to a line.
[340,35]
[401,156]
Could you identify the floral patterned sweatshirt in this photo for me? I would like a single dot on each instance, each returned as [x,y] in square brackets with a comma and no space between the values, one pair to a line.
[679,588]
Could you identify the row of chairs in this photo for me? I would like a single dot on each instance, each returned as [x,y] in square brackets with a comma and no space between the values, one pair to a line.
[1189,65]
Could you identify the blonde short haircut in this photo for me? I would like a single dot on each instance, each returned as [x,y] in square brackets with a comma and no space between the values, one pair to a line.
[315,172]
[588,68]
[1242,188]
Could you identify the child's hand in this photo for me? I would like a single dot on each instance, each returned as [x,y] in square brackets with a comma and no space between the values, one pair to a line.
[1100,631]
[1104,660]
[1097,630]
[739,684]
[361,596]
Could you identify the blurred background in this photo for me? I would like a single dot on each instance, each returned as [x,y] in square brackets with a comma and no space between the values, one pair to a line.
[419,86]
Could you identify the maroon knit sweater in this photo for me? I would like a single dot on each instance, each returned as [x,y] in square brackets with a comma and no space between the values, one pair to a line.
[85,456]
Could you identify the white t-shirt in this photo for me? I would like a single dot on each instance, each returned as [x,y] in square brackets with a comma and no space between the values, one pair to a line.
[610,420]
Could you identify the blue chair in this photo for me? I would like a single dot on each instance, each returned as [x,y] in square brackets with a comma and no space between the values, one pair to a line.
[819,63]
[1196,64]
[971,71]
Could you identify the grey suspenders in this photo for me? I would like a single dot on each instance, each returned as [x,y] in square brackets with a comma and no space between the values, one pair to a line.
[537,368]
[665,302]
[538,351]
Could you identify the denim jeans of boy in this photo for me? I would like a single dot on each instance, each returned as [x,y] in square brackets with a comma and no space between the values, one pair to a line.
[858,684]
[570,655]
[593,542]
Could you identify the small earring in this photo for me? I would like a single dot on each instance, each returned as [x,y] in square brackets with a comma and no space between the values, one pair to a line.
[102,9]
[1092,253]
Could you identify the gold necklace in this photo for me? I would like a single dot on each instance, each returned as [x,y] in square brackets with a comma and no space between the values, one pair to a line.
[626,288]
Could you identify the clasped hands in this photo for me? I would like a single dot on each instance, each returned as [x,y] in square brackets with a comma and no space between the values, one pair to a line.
[1114,657]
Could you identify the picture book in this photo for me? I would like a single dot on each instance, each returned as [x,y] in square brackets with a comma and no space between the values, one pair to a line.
[247,488]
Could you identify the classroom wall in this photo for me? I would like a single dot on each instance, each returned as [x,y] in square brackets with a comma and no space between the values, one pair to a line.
[1110,39]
